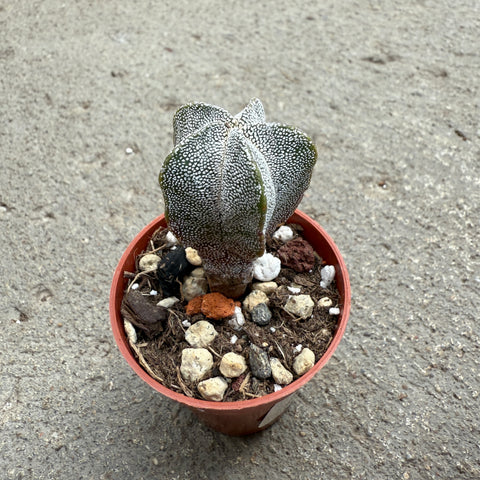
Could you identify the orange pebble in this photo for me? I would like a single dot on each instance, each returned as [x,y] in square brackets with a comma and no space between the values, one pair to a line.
[217,306]
[194,306]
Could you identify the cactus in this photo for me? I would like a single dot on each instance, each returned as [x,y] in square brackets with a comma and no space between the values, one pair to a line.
[228,182]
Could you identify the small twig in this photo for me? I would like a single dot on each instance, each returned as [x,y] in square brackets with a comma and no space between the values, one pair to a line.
[144,364]
[281,351]
[139,274]
[185,389]
[244,383]
[172,312]
[214,352]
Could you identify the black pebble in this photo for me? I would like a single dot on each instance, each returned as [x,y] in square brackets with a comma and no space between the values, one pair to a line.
[171,269]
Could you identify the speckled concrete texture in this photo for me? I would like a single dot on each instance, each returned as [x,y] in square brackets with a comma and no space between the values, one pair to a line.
[390,93]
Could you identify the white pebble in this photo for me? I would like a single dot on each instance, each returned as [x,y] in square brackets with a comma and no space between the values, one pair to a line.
[234,339]
[186,324]
[194,287]
[200,334]
[171,239]
[193,257]
[298,348]
[301,306]
[294,289]
[254,298]
[266,268]
[232,365]
[213,389]
[266,287]
[153,292]
[325,302]
[149,262]
[328,274]
[198,273]
[334,311]
[134,286]
[130,331]
[196,363]
[280,374]
[128,151]
[304,361]
[277,388]
[168,302]
[284,234]
[273,329]
[237,320]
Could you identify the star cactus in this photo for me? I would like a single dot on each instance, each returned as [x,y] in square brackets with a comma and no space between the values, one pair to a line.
[228,182]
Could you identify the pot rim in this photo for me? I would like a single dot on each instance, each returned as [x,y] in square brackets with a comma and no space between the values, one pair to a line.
[116,295]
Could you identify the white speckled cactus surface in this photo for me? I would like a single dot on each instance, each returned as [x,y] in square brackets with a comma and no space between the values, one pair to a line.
[228,182]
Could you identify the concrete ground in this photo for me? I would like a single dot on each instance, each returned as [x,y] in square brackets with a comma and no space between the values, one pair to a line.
[389,91]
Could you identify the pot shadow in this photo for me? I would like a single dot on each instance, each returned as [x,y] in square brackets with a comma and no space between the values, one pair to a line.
[191,448]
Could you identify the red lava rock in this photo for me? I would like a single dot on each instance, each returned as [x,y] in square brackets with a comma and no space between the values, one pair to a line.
[194,306]
[237,383]
[216,306]
[297,254]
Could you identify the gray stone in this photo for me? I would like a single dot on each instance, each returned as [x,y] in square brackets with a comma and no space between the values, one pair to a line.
[259,362]
[261,314]
[253,299]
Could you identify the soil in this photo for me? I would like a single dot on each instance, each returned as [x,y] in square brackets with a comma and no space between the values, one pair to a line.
[160,341]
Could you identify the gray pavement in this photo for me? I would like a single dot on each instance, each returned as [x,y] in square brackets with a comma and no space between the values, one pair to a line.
[389,91]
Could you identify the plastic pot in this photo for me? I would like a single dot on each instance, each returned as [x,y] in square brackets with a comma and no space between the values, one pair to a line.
[246,416]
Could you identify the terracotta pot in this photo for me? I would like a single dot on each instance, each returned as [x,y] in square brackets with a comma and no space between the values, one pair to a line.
[246,416]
